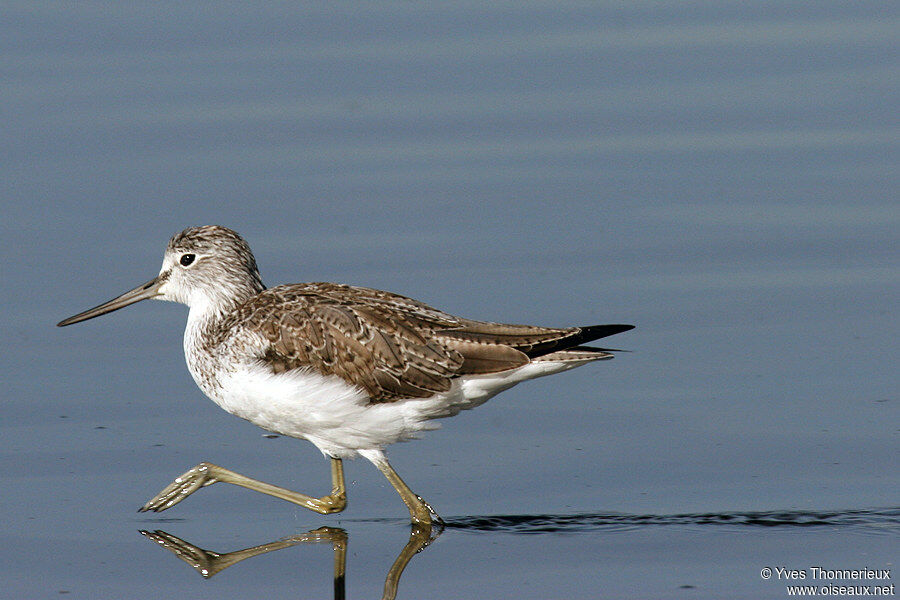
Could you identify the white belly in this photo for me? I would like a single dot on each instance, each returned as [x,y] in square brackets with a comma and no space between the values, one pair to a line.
[337,417]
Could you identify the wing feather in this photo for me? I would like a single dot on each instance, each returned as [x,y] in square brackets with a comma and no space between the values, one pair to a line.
[381,342]
[391,346]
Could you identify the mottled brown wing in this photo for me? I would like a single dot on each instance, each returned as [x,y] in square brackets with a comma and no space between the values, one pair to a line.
[381,342]
[379,300]
[531,340]
[521,337]
[391,346]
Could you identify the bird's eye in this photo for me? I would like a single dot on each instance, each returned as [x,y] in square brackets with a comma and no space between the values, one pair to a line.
[187,259]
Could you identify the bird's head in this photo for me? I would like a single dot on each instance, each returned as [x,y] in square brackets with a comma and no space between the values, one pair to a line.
[210,266]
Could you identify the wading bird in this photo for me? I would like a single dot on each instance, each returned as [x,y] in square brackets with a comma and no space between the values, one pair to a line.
[350,369]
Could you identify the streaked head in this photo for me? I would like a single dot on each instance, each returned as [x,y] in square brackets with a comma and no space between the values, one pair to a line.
[209,265]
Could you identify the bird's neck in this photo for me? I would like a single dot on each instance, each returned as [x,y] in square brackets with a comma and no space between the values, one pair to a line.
[208,310]
[206,320]
[211,303]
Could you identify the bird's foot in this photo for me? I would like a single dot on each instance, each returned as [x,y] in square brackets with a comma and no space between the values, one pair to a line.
[183,486]
[425,515]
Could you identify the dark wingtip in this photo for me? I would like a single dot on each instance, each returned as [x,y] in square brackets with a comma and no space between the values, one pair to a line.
[595,332]
[595,349]
[578,337]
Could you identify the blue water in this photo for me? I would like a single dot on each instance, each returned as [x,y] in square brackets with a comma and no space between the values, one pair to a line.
[722,175]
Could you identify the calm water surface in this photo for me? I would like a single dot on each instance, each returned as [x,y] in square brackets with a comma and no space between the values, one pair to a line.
[724,176]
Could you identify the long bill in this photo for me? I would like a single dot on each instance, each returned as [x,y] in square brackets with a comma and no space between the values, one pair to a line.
[141,292]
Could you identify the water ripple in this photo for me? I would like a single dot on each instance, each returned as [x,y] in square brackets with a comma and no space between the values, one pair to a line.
[882,520]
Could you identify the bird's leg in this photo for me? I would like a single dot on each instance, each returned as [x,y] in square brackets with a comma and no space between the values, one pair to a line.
[207,474]
[419,511]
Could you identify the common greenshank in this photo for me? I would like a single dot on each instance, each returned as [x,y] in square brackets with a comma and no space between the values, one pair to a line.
[350,369]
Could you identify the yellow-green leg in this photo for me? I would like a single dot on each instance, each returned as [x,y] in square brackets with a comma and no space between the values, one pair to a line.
[206,474]
[420,512]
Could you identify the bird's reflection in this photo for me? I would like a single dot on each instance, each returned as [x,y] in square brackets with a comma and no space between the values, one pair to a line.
[207,563]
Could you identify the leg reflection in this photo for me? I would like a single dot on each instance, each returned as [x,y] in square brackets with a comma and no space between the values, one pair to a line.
[419,537]
[208,563]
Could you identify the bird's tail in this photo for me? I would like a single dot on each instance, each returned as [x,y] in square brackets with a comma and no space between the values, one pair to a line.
[573,341]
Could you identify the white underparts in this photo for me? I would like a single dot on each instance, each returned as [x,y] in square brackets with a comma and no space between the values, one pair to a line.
[337,417]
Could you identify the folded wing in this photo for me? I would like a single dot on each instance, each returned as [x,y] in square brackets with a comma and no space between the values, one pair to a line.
[391,346]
